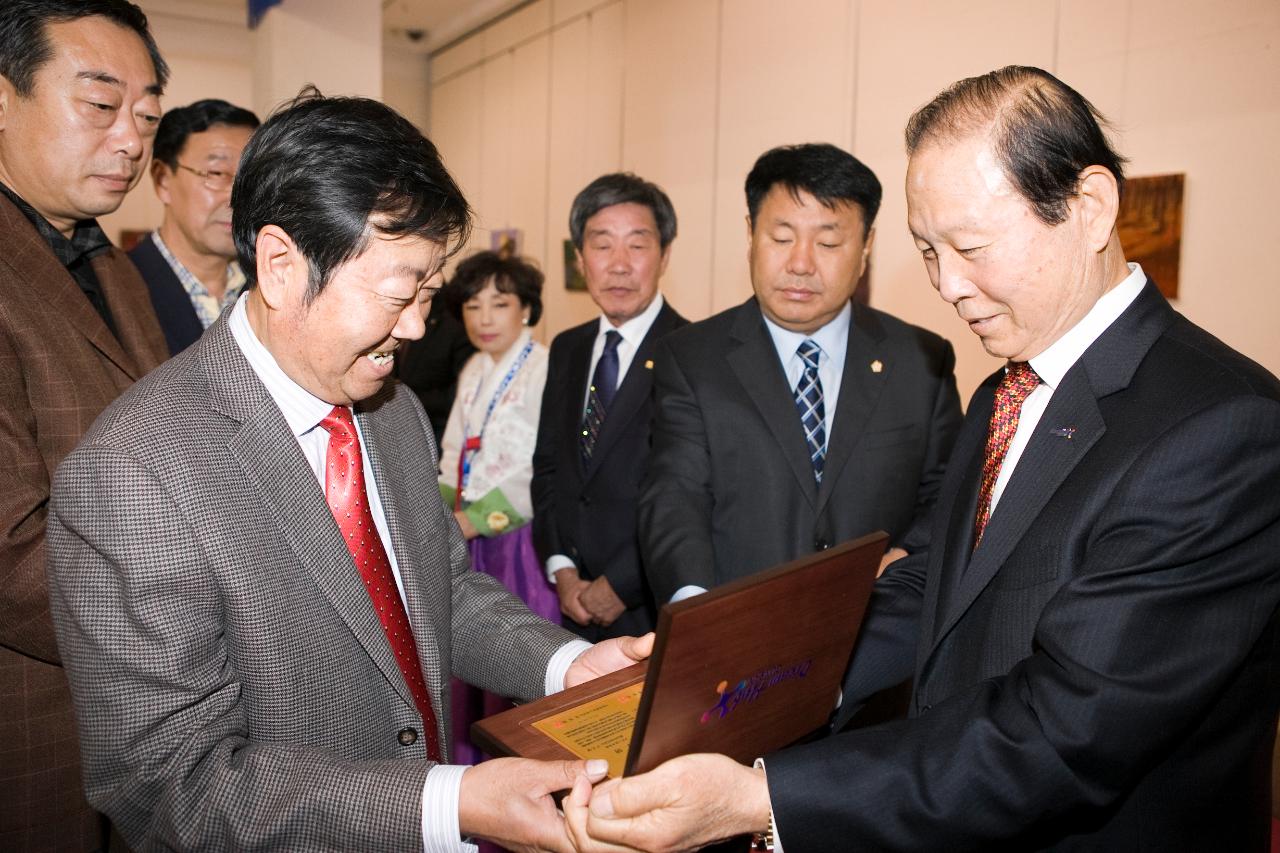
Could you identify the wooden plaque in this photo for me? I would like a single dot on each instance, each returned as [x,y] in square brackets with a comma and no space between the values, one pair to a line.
[742,670]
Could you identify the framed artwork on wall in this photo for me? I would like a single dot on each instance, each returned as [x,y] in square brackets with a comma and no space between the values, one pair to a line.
[1150,227]
[506,241]
[573,278]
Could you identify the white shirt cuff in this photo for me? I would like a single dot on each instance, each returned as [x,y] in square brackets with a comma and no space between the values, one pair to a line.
[777,842]
[558,666]
[440,833]
[688,591]
[555,563]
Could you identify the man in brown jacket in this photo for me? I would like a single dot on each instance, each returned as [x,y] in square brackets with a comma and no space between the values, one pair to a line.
[80,82]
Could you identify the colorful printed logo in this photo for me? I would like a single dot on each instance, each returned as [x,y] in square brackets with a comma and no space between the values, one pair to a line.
[750,688]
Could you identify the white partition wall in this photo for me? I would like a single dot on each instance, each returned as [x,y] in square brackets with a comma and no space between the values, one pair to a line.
[907,52]
[584,139]
[689,92]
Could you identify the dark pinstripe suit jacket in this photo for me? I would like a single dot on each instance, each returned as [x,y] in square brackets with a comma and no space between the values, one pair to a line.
[730,491]
[1103,673]
[59,367]
[233,685]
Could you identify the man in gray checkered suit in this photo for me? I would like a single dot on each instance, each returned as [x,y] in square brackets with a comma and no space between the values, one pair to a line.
[257,591]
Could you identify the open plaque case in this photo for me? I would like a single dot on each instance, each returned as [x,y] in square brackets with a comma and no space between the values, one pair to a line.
[743,670]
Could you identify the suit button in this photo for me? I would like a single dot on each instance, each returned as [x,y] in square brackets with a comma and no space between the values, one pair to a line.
[821,544]
[407,737]
[926,709]
[585,500]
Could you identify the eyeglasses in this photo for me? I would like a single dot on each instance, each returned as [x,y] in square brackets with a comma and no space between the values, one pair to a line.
[213,179]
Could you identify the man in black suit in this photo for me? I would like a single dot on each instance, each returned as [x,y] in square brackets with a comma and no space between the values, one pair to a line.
[593,434]
[189,262]
[431,364]
[1095,631]
[798,419]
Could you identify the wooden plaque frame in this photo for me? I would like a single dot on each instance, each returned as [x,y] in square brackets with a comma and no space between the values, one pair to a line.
[743,670]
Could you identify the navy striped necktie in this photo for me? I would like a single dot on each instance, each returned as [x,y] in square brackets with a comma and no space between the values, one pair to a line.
[810,406]
[604,384]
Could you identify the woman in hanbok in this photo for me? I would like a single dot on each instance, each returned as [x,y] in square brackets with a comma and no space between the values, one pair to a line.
[486,456]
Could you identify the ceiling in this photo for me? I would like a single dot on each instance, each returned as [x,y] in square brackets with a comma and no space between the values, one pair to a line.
[440,21]
[421,25]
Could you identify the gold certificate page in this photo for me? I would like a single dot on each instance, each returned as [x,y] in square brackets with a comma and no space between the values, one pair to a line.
[600,728]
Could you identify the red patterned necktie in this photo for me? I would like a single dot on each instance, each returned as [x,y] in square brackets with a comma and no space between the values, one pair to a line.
[1017,384]
[345,492]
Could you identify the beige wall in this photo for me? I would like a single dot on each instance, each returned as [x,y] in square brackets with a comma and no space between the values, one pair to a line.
[212,54]
[688,92]
[208,58]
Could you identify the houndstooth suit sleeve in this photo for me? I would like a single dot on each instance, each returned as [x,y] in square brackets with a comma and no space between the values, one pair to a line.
[231,681]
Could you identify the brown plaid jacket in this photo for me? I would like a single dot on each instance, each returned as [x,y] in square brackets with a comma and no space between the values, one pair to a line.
[59,368]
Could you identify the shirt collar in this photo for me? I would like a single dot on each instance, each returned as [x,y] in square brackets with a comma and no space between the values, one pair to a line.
[634,330]
[88,240]
[1052,364]
[235,278]
[301,409]
[833,338]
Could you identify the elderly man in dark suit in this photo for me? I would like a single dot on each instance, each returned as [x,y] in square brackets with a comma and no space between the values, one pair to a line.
[1095,629]
[257,589]
[798,419]
[593,433]
[75,330]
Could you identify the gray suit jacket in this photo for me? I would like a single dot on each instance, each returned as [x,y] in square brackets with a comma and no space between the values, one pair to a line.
[233,685]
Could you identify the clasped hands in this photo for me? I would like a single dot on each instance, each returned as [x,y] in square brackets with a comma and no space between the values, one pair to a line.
[684,804]
[587,602]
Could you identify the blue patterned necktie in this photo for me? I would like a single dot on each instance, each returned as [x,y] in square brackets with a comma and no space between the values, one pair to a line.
[604,383]
[809,405]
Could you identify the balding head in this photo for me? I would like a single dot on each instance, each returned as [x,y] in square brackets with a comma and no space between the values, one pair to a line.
[1043,132]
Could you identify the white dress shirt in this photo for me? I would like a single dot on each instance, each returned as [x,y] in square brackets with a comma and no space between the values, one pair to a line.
[303,411]
[833,342]
[633,333]
[1052,365]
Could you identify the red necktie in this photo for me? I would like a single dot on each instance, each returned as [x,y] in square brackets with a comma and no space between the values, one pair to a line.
[344,490]
[1018,382]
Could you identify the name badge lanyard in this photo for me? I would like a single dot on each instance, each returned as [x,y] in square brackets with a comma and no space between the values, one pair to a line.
[471,443]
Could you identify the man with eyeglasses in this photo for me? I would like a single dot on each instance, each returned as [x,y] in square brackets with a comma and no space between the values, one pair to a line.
[189,262]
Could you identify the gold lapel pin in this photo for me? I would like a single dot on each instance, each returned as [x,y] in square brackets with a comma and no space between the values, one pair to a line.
[877,366]
[648,364]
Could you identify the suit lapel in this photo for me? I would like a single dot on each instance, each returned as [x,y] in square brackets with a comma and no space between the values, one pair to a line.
[272,461]
[860,389]
[960,492]
[385,456]
[577,368]
[1047,460]
[33,260]
[1070,426]
[635,389]
[137,328]
[754,361]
